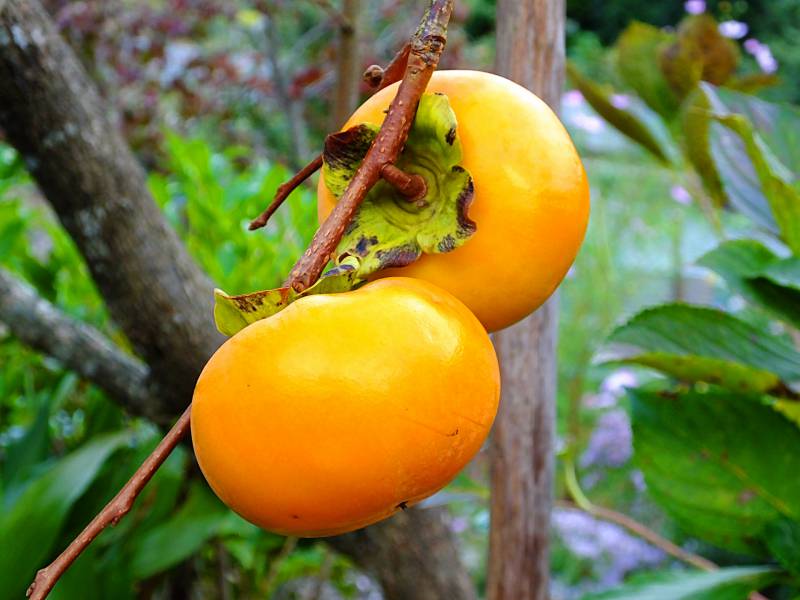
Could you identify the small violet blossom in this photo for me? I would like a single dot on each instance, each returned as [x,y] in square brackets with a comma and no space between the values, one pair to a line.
[695,7]
[611,443]
[573,98]
[620,101]
[589,123]
[680,194]
[734,30]
[763,55]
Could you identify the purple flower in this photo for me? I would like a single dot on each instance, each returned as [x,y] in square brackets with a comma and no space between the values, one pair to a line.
[620,101]
[611,443]
[734,30]
[695,7]
[763,55]
[619,380]
[612,551]
[573,98]
[680,194]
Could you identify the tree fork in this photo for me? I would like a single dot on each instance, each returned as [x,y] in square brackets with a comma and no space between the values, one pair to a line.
[425,49]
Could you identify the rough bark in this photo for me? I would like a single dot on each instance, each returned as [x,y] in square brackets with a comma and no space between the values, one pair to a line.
[348,73]
[530,51]
[43,327]
[53,115]
[412,556]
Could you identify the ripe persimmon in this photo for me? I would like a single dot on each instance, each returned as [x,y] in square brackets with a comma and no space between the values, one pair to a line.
[530,204]
[344,408]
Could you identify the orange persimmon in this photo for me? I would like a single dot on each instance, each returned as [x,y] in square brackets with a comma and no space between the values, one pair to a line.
[344,408]
[531,202]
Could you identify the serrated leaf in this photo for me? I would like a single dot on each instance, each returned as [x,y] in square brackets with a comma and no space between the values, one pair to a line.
[697,146]
[234,313]
[779,185]
[722,465]
[747,266]
[730,583]
[623,119]
[389,230]
[693,343]
[783,540]
[638,49]
[756,153]
[32,524]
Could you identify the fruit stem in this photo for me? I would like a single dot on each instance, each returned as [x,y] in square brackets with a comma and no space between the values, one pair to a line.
[426,47]
[412,186]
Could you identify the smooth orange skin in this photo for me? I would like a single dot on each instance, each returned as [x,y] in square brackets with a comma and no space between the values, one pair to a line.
[531,200]
[327,416]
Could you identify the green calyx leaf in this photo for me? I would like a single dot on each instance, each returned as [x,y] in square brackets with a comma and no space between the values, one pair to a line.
[390,230]
[234,313]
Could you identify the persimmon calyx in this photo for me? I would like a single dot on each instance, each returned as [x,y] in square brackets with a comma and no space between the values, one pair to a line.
[234,313]
[388,230]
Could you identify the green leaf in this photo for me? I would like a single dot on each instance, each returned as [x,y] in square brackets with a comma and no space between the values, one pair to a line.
[753,271]
[638,50]
[756,152]
[24,453]
[722,465]
[693,343]
[730,583]
[783,540]
[32,524]
[697,146]
[625,120]
[389,230]
[234,313]
[170,543]
[779,185]
[699,53]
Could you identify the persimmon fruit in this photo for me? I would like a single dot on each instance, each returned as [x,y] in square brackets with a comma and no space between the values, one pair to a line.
[531,199]
[344,408]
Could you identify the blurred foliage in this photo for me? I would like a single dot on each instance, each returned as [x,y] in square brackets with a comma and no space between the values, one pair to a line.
[701,451]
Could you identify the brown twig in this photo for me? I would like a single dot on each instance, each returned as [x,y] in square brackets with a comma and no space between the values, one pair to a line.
[119,506]
[423,57]
[380,77]
[426,48]
[284,190]
[650,536]
[377,77]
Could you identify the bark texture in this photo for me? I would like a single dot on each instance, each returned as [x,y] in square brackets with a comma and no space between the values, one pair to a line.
[348,73]
[40,325]
[412,556]
[52,113]
[530,51]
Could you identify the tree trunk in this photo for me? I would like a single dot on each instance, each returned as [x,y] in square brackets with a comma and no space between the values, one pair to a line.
[530,51]
[51,112]
[347,65]
[412,556]
[53,115]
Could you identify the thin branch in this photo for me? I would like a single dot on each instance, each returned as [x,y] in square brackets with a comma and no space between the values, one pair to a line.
[78,346]
[645,533]
[284,190]
[381,77]
[426,48]
[377,77]
[119,506]
[581,502]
